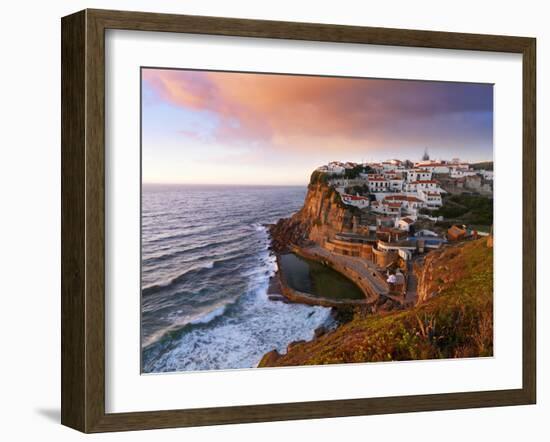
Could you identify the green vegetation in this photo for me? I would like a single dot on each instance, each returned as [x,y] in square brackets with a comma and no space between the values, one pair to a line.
[354,173]
[466,209]
[361,190]
[425,211]
[318,177]
[458,322]
[487,165]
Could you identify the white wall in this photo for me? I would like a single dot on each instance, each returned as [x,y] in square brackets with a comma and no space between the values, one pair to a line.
[30,218]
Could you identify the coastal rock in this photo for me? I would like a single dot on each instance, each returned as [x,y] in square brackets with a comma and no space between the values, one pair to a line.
[320,331]
[322,215]
[294,344]
[269,359]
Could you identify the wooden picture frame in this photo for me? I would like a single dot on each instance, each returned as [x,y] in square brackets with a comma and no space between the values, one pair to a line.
[83,220]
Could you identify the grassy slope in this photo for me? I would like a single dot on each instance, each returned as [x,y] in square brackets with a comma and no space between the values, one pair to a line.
[455,323]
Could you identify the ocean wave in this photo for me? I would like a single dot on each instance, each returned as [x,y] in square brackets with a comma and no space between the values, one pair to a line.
[201,229]
[162,285]
[259,227]
[204,302]
[199,320]
[192,249]
[224,340]
[153,288]
[205,319]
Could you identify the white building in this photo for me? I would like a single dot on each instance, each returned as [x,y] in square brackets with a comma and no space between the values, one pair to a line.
[408,203]
[404,223]
[361,202]
[336,167]
[386,208]
[417,186]
[419,175]
[433,166]
[377,183]
[459,173]
[395,184]
[431,199]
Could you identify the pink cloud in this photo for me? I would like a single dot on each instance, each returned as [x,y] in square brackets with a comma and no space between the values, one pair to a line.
[287,111]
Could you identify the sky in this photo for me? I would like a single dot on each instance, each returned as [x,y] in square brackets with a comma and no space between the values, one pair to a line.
[205,127]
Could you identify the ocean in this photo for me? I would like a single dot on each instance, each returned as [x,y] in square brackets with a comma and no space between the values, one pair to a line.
[205,272]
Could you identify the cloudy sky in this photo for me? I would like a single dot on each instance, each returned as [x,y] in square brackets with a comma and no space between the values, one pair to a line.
[238,128]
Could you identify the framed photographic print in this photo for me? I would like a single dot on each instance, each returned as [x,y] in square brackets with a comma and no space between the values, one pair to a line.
[270,220]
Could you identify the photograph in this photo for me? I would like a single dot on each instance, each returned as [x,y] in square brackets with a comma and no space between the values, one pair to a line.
[294,220]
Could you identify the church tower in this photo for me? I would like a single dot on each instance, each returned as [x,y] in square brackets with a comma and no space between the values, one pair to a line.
[425,157]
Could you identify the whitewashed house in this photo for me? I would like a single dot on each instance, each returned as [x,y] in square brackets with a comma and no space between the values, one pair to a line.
[408,203]
[433,166]
[358,201]
[419,175]
[417,186]
[386,208]
[377,184]
[460,173]
[404,223]
[336,167]
[431,199]
[395,184]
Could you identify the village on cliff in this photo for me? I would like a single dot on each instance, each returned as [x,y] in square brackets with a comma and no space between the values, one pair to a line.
[393,214]
[403,233]
[404,191]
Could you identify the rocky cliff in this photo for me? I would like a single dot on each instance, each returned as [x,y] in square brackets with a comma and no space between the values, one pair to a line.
[322,215]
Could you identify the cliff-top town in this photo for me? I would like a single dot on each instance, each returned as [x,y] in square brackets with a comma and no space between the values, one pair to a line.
[384,217]
[413,237]
[404,191]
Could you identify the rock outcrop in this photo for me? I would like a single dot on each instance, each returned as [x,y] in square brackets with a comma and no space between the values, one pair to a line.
[322,215]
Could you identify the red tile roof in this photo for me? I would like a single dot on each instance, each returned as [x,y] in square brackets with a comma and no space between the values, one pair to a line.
[411,199]
[425,181]
[354,197]
[394,205]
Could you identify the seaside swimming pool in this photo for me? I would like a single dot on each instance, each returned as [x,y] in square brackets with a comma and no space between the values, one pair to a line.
[314,278]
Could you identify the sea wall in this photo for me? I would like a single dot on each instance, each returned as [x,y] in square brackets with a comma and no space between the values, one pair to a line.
[305,298]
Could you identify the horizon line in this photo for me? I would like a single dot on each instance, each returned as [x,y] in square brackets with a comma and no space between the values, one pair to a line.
[148,183]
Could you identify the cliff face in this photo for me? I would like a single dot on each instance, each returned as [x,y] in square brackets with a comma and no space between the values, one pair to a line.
[453,319]
[322,215]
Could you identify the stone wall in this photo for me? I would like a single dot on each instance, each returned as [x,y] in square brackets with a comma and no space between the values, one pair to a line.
[383,258]
[349,249]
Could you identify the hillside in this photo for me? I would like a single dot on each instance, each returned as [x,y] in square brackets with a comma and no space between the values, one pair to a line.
[487,165]
[452,319]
